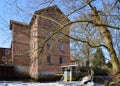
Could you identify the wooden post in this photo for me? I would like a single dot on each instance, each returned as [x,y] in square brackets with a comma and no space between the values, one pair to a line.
[65,76]
[70,74]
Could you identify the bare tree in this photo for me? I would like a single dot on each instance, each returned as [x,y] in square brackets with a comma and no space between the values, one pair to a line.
[85,32]
[104,18]
[102,24]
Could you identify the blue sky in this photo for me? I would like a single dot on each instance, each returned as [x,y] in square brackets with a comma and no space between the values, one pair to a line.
[9,12]
[5,33]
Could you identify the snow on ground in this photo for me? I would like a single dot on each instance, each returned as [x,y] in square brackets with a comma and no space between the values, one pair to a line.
[73,83]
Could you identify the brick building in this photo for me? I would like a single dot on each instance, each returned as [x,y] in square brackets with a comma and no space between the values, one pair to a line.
[32,51]
[5,56]
[20,47]
[56,50]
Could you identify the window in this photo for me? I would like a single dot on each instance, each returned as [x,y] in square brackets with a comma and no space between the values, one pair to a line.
[60,34]
[7,52]
[48,44]
[60,60]
[48,59]
[60,47]
[51,22]
[48,32]
[4,58]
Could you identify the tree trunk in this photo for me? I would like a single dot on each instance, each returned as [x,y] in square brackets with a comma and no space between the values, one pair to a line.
[108,41]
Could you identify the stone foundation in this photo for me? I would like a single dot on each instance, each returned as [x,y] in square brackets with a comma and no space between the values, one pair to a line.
[48,76]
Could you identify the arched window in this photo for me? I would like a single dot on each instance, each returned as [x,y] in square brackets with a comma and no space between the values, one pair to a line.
[48,59]
[60,60]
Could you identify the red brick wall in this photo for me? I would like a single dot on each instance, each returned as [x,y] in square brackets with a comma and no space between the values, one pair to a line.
[43,26]
[27,42]
[5,55]
[39,32]
[20,44]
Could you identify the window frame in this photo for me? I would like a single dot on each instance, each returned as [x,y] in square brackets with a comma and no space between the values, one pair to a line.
[7,52]
[60,34]
[60,59]
[4,58]
[48,58]
[60,46]
[48,44]
[48,32]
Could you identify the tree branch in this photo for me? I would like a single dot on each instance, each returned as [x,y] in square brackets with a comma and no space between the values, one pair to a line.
[68,24]
[83,41]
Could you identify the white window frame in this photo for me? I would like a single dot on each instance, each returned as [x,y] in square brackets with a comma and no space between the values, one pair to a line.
[4,59]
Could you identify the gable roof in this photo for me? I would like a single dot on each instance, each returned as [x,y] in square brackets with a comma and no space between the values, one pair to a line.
[54,8]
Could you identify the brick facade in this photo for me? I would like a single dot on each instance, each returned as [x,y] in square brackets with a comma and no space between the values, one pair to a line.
[56,50]
[31,48]
[5,56]
[20,46]
[20,43]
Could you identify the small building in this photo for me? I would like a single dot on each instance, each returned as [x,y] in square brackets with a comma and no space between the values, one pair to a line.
[20,48]
[70,71]
[5,56]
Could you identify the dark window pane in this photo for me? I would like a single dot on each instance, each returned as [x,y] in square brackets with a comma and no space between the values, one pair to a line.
[60,47]
[60,60]
[48,59]
[48,32]
[48,44]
